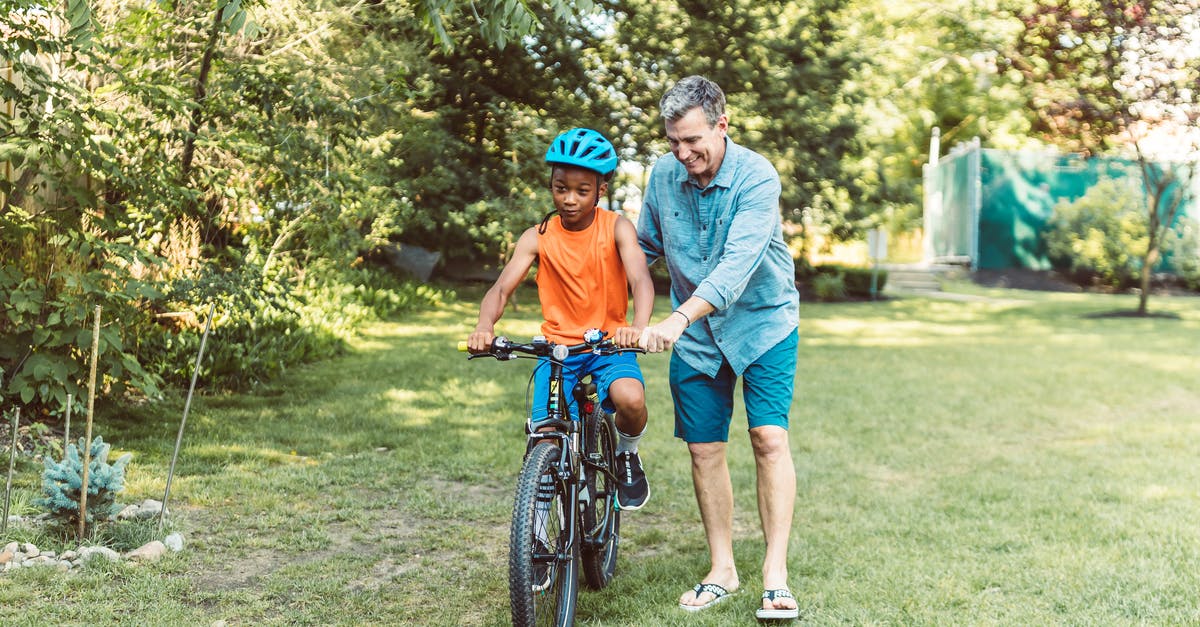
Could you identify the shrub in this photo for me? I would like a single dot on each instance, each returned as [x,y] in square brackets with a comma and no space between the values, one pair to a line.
[851,282]
[261,328]
[1100,238]
[858,281]
[61,482]
[1184,246]
[829,287]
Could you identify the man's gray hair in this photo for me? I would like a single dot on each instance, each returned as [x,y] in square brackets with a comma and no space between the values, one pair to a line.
[689,93]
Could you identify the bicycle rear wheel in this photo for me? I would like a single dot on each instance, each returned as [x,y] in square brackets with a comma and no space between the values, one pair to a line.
[601,518]
[543,576]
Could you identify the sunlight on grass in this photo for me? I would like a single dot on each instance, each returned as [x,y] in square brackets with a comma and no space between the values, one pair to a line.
[403,397]
[236,455]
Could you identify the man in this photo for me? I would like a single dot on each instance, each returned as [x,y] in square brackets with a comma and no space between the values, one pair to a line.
[712,211]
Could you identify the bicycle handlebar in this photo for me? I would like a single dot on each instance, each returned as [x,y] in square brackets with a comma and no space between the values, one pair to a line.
[504,349]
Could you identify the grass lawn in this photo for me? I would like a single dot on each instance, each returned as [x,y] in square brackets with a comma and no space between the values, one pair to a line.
[1012,459]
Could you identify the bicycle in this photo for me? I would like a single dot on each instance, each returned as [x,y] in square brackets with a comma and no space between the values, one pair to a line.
[565,512]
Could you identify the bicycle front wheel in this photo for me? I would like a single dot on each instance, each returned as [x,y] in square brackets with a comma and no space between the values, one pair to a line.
[543,576]
[601,518]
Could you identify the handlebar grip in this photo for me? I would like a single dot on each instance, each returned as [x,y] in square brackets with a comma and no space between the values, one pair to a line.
[462,346]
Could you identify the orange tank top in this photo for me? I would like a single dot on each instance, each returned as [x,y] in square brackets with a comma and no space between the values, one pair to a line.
[581,280]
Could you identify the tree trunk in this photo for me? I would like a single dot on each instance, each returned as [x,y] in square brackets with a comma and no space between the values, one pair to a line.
[1144,296]
[199,93]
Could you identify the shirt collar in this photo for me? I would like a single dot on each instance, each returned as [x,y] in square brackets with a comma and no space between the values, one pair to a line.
[724,177]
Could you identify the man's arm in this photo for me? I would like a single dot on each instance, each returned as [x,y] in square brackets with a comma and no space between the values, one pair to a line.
[648,229]
[754,220]
[640,284]
[494,301]
[661,336]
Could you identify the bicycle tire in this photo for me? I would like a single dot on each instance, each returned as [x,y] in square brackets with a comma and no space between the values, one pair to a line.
[600,517]
[551,603]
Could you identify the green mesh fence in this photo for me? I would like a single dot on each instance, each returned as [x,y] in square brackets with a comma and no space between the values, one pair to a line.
[993,206]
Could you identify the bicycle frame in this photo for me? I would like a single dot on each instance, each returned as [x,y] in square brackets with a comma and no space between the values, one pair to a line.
[566,427]
[581,470]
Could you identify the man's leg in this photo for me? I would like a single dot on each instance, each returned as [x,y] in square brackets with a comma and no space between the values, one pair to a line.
[714,495]
[703,408]
[768,385]
[776,502]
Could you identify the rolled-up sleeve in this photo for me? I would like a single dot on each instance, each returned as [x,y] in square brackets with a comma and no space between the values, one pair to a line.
[755,217]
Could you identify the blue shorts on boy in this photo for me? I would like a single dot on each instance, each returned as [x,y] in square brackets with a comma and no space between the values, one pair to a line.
[704,404]
[604,368]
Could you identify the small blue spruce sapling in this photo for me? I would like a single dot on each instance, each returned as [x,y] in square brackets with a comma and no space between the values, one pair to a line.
[61,482]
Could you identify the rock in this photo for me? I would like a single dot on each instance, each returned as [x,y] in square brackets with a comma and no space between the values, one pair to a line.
[174,542]
[30,550]
[149,509]
[148,552]
[70,556]
[40,560]
[86,553]
[6,556]
[12,547]
[128,512]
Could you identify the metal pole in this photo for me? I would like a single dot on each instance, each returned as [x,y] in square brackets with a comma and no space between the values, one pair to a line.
[12,462]
[187,405]
[87,439]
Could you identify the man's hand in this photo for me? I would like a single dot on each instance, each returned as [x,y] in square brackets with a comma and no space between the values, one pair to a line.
[660,337]
[627,337]
[480,341]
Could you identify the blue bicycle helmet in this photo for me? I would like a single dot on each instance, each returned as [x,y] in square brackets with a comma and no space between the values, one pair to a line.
[584,148]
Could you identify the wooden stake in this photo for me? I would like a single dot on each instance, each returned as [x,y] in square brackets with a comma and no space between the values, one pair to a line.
[87,439]
[67,428]
[12,462]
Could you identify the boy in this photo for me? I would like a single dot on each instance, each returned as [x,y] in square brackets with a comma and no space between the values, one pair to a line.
[589,261]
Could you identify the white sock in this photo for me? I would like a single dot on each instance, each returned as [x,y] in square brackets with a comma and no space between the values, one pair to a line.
[628,442]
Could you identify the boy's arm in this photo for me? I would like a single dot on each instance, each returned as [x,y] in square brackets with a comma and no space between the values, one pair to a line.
[640,284]
[492,306]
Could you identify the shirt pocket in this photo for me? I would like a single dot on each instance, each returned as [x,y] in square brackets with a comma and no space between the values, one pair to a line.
[679,233]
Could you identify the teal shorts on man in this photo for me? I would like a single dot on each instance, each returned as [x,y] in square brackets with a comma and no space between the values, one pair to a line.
[704,405]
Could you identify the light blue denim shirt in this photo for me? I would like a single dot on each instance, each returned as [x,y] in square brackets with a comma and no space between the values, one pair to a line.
[723,243]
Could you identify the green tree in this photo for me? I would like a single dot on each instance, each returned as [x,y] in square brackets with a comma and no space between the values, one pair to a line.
[785,69]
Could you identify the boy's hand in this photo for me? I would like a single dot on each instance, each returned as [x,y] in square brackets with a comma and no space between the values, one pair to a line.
[480,341]
[627,337]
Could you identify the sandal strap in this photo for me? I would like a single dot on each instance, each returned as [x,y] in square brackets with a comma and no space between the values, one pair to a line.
[711,588]
[778,593]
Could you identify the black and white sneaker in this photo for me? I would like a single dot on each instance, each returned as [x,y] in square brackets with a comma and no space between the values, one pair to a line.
[632,488]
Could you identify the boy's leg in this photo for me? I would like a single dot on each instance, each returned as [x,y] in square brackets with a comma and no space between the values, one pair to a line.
[623,391]
[633,490]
